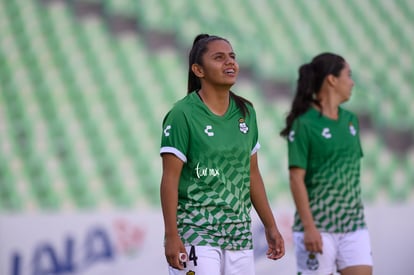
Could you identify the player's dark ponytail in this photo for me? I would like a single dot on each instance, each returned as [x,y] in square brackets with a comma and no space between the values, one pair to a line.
[309,83]
[195,57]
[200,44]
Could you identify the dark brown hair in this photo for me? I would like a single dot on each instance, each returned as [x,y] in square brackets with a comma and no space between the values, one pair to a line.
[199,48]
[309,83]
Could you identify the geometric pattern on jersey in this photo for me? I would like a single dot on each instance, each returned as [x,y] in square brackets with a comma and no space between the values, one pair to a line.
[330,152]
[339,209]
[220,227]
[214,189]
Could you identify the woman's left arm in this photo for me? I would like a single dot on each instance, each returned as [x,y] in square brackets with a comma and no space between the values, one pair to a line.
[276,247]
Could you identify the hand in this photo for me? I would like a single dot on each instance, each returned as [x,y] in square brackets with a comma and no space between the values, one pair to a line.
[275,243]
[173,247]
[313,240]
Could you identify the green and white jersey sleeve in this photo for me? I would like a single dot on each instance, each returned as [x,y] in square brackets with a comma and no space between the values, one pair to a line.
[176,134]
[214,189]
[330,152]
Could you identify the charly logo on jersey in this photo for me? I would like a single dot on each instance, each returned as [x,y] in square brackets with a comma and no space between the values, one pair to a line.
[208,130]
[291,136]
[312,262]
[190,273]
[243,126]
[206,171]
[326,133]
[352,129]
[167,130]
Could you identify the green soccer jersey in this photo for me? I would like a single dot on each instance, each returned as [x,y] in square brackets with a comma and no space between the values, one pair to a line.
[330,152]
[214,189]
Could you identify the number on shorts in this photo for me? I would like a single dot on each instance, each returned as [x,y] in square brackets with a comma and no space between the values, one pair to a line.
[192,255]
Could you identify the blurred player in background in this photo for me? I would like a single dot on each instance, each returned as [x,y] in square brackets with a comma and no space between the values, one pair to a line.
[324,153]
[210,175]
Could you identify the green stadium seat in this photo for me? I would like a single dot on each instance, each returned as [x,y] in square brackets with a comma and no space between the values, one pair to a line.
[121,7]
[84,125]
[9,195]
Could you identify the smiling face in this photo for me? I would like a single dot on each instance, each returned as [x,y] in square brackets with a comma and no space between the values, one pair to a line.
[219,66]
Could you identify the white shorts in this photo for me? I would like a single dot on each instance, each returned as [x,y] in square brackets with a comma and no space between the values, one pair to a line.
[207,260]
[340,250]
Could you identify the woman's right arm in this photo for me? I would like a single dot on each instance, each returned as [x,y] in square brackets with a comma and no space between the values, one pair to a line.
[171,171]
[312,236]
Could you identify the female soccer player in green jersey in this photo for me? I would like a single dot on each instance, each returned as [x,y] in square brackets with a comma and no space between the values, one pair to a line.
[210,176]
[324,153]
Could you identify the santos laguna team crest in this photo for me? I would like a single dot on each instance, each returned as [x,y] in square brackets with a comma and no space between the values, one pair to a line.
[312,262]
[243,127]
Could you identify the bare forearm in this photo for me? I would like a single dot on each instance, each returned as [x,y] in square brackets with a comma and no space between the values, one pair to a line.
[260,203]
[169,192]
[258,195]
[169,203]
[301,199]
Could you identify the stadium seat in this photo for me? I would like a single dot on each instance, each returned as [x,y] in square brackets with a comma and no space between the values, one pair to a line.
[83,108]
